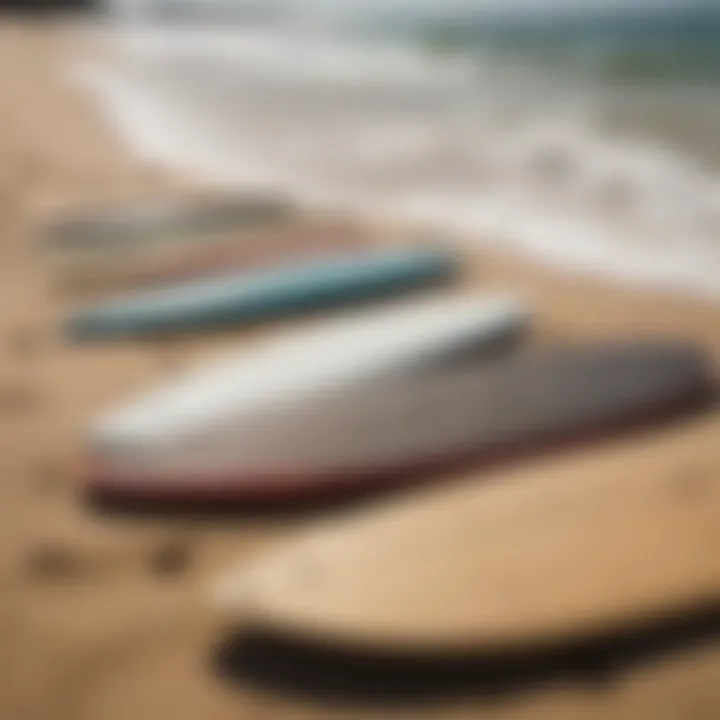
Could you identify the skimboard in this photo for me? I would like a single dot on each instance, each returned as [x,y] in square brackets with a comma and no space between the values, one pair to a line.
[402,429]
[244,298]
[289,370]
[157,263]
[116,228]
[546,556]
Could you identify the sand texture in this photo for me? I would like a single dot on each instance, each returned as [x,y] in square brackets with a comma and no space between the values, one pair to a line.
[108,619]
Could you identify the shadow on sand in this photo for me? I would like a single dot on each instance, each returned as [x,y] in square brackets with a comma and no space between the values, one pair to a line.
[313,670]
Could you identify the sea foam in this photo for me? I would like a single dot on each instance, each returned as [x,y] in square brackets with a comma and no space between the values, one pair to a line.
[425,139]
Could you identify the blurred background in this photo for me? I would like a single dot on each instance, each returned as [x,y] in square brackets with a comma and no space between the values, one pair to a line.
[567,148]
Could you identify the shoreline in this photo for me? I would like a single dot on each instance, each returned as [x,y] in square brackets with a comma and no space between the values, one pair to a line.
[555,189]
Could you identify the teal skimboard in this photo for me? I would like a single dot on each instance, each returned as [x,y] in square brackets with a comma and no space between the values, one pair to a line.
[246,298]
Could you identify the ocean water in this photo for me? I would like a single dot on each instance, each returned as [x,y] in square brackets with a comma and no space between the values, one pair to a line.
[582,133]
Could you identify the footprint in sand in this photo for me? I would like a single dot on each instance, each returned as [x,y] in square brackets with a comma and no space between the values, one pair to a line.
[59,563]
[171,558]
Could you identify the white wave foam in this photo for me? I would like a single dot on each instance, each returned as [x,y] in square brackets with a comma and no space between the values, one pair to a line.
[390,132]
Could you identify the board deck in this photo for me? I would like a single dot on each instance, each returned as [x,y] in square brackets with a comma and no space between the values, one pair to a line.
[269,294]
[545,556]
[402,429]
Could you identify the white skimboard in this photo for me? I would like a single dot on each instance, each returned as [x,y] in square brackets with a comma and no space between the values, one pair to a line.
[361,436]
[199,416]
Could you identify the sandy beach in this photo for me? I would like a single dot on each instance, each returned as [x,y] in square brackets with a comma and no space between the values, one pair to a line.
[108,620]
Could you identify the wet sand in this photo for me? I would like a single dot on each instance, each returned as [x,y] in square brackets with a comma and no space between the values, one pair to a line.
[107,619]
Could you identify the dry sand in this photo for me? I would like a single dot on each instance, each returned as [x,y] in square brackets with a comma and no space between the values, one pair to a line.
[106,620]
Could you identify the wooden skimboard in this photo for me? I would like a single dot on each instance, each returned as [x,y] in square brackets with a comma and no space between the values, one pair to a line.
[250,298]
[169,220]
[401,429]
[545,556]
